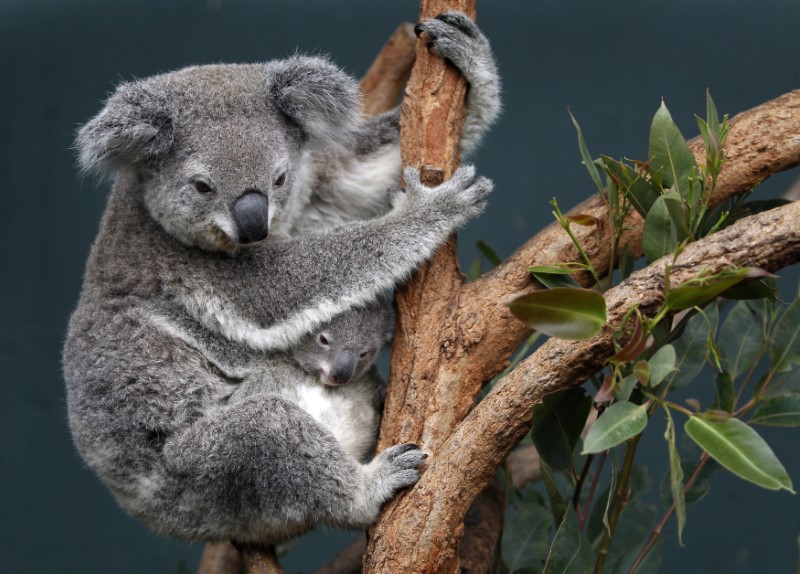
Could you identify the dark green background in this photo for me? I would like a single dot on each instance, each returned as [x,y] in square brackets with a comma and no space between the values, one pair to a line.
[609,61]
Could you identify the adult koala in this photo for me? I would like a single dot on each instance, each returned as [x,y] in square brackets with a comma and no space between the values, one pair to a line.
[204,265]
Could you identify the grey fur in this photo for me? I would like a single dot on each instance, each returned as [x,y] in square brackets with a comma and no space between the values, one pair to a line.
[177,313]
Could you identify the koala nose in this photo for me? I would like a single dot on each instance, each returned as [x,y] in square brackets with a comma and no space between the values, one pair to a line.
[251,214]
[343,367]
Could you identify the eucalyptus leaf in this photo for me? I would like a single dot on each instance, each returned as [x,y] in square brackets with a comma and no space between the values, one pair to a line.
[570,552]
[740,339]
[740,449]
[785,341]
[679,213]
[586,157]
[778,411]
[669,154]
[725,393]
[696,293]
[525,541]
[622,392]
[630,535]
[675,477]
[662,363]
[690,348]
[557,424]
[562,312]
[618,423]
[699,487]
[659,236]
[488,252]
[558,501]
[554,280]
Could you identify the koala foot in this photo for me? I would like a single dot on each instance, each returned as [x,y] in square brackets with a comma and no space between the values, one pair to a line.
[455,37]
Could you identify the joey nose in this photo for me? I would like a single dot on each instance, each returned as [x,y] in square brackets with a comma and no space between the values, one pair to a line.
[343,367]
[251,215]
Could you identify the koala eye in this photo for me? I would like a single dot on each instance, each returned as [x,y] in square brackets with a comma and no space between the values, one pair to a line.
[323,340]
[363,354]
[280,180]
[202,187]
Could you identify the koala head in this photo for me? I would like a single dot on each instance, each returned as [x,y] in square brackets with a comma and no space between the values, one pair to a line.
[218,150]
[344,348]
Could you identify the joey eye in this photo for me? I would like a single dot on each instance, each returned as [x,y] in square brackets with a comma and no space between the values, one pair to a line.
[202,187]
[280,180]
[323,340]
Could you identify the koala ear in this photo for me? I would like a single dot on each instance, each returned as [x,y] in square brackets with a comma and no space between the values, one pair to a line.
[318,96]
[135,125]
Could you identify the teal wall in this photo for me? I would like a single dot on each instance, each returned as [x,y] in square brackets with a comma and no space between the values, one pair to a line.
[610,62]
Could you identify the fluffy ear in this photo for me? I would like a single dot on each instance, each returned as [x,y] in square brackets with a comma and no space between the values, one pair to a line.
[318,96]
[135,125]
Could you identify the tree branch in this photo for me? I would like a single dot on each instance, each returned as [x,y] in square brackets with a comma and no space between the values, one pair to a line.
[383,83]
[469,458]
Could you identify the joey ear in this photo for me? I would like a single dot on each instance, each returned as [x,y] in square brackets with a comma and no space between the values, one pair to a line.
[318,96]
[134,125]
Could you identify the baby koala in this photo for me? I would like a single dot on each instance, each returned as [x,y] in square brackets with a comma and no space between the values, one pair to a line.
[331,375]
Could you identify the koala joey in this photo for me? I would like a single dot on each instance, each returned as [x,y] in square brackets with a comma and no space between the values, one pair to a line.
[331,375]
[250,205]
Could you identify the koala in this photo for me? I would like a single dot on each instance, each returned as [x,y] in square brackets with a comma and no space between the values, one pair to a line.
[331,375]
[250,205]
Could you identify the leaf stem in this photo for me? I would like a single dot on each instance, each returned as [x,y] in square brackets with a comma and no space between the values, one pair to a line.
[576,496]
[660,526]
[619,501]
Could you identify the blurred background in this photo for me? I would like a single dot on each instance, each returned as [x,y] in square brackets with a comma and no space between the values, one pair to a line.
[610,62]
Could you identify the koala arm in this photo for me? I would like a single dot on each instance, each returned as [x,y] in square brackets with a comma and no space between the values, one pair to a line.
[352,186]
[325,273]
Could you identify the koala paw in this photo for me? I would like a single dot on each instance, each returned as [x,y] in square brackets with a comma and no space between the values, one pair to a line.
[455,37]
[396,468]
[458,199]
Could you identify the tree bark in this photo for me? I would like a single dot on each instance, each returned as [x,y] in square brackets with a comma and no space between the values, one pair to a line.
[453,336]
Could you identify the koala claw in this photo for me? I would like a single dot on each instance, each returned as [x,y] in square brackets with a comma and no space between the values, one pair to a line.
[454,36]
[460,21]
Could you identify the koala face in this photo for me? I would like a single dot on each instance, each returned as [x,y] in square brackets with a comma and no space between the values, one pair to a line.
[218,150]
[343,349]
[226,181]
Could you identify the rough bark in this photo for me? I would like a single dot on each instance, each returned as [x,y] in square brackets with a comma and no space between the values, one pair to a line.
[468,459]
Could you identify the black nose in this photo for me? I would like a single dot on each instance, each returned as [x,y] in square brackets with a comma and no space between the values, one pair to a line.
[251,214]
[343,367]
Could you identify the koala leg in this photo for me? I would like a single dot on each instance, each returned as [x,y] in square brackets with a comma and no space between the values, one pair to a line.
[263,470]
[454,36]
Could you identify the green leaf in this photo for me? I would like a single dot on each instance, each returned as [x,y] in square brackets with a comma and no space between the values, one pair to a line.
[691,349]
[622,392]
[618,423]
[748,290]
[675,477]
[679,213]
[557,424]
[785,341]
[669,154]
[562,312]
[587,159]
[553,281]
[662,363]
[558,502]
[778,411]
[725,393]
[699,488]
[697,292]
[740,339]
[490,254]
[659,236]
[740,449]
[635,345]
[632,531]
[570,552]
[626,261]
[787,382]
[525,542]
